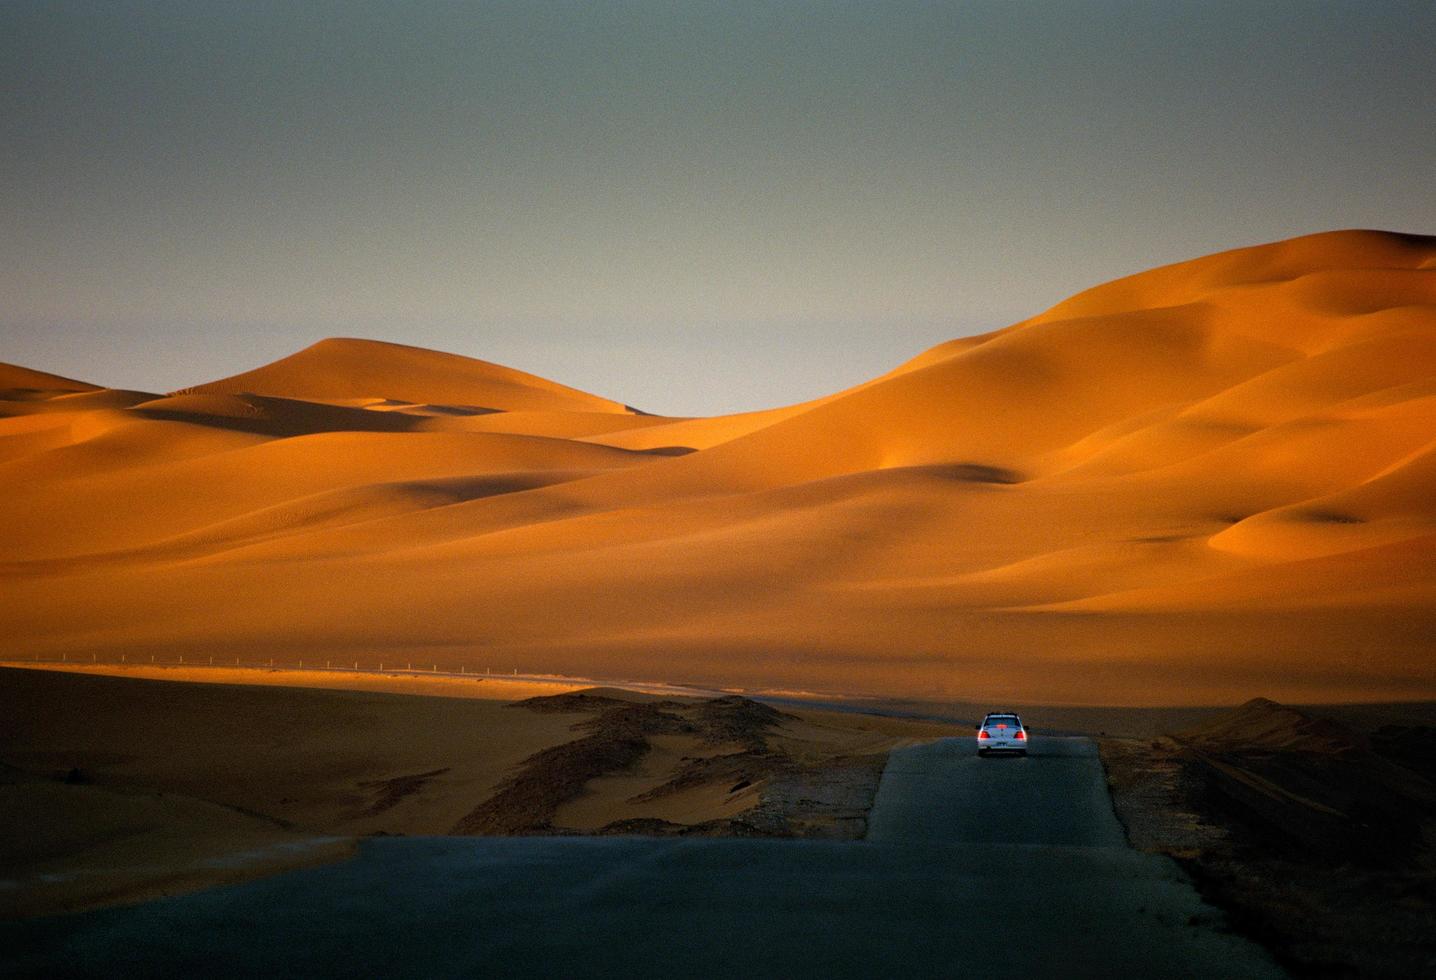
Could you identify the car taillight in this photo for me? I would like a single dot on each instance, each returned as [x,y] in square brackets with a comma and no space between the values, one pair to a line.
[983,734]
[1021,735]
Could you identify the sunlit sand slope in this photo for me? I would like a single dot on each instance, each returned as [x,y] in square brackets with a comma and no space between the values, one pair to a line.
[1195,484]
[16,381]
[344,368]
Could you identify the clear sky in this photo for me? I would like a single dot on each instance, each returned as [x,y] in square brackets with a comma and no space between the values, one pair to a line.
[690,207]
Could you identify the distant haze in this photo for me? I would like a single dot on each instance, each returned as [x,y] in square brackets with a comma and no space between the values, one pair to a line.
[692,208]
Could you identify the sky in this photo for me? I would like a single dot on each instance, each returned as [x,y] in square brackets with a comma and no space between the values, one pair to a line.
[693,208]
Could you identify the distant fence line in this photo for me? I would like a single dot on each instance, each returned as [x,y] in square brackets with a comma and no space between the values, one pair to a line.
[268,663]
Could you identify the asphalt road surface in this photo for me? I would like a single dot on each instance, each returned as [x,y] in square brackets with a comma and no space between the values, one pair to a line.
[973,867]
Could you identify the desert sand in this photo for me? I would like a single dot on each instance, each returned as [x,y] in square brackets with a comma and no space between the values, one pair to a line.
[1189,486]
[115,788]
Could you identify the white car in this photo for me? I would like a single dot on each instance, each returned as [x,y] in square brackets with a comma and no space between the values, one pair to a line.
[1001,731]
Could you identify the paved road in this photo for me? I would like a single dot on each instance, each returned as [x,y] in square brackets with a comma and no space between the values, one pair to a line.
[1010,867]
[943,793]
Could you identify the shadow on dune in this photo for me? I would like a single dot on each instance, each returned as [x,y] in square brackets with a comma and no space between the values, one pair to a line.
[980,473]
[279,417]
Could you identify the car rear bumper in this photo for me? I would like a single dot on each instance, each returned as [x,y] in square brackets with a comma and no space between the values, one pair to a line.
[996,746]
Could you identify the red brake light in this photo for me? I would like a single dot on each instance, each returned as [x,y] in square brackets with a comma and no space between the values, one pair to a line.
[983,734]
[1021,735]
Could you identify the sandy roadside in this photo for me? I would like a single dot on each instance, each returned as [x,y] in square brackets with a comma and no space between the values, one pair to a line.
[120,784]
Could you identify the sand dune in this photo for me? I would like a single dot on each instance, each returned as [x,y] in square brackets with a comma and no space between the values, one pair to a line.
[346,369]
[17,382]
[1200,482]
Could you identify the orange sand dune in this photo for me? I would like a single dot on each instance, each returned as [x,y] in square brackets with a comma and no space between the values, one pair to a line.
[1213,479]
[345,369]
[17,380]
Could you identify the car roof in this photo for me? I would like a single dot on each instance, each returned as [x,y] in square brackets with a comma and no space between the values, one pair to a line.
[1002,714]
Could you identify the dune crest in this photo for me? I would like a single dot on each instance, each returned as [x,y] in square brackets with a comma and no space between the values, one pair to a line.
[1175,488]
[343,368]
[15,379]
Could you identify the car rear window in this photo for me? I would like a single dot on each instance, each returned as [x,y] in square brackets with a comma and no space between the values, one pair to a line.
[1007,720]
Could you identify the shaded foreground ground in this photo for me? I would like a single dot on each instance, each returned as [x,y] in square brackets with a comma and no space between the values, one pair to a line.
[1313,833]
[114,789]
[945,888]
[1316,834]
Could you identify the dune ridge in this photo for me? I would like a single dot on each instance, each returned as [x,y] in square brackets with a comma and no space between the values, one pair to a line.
[1180,487]
[16,380]
[345,368]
